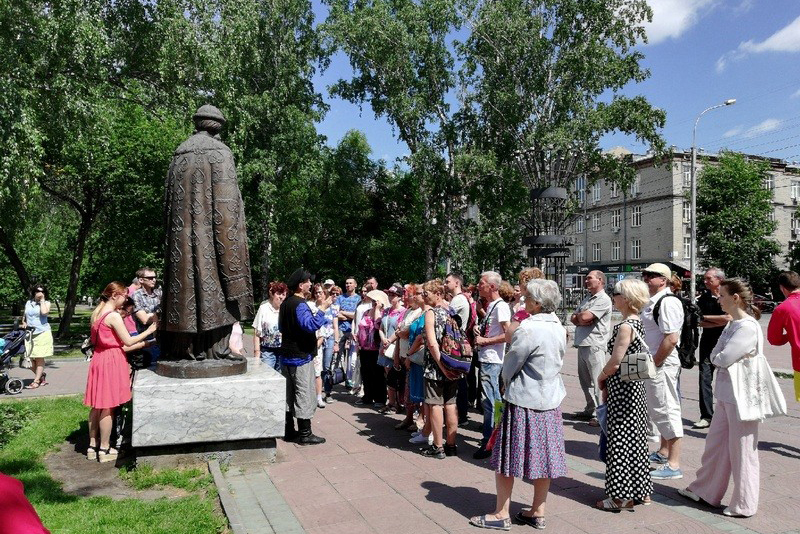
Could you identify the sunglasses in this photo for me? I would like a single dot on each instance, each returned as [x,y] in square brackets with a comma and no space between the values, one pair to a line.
[149,277]
[651,275]
[616,293]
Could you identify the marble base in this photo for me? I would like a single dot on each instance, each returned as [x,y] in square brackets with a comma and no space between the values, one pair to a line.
[174,411]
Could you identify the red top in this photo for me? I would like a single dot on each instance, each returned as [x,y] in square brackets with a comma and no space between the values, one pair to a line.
[17,515]
[784,327]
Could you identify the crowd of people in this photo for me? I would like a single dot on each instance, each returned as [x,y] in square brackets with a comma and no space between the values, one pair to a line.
[390,349]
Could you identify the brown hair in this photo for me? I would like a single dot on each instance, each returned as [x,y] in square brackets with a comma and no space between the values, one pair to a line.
[789,279]
[506,291]
[675,283]
[737,286]
[528,274]
[434,286]
[113,289]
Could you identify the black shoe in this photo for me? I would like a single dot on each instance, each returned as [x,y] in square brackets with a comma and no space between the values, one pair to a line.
[433,452]
[583,416]
[482,453]
[306,437]
[450,450]
[289,432]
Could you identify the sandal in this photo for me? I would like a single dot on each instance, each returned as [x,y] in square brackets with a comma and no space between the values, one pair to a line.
[615,505]
[91,453]
[387,408]
[481,521]
[107,455]
[43,380]
[402,425]
[33,385]
[538,523]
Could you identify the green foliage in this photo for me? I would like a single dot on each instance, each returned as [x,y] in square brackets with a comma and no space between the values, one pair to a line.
[50,423]
[13,418]
[733,226]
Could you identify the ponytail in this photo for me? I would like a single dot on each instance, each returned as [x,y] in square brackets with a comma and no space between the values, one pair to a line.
[737,286]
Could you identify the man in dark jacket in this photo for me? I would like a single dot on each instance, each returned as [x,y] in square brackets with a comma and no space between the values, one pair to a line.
[298,326]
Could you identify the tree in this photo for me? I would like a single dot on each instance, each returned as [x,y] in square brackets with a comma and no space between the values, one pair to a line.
[543,83]
[733,218]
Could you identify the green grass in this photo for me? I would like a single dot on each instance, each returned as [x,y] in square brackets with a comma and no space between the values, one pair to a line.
[144,477]
[52,421]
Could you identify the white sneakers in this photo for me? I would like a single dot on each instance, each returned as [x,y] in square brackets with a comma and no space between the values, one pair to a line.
[420,438]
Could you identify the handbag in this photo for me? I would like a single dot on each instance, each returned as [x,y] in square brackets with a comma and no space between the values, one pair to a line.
[755,388]
[336,375]
[637,366]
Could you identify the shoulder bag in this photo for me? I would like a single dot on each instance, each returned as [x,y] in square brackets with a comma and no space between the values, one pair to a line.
[637,366]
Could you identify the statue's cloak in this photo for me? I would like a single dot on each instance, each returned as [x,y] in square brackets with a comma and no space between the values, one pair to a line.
[206,278]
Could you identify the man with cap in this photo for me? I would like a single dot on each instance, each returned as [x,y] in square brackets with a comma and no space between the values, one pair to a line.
[298,326]
[662,334]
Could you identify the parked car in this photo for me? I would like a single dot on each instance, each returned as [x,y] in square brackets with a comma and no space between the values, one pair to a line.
[763,303]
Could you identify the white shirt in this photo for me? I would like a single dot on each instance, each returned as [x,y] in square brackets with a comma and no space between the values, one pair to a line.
[460,305]
[670,320]
[500,313]
[739,339]
[363,307]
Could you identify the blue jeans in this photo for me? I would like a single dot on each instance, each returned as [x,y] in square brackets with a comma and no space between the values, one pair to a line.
[490,386]
[270,358]
[327,360]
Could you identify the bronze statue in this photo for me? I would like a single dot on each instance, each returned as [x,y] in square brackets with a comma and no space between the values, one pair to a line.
[207,285]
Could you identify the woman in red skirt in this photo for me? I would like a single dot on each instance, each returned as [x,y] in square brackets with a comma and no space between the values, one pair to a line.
[108,385]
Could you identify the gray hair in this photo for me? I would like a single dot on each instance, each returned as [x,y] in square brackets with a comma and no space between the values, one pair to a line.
[546,293]
[719,273]
[601,276]
[493,278]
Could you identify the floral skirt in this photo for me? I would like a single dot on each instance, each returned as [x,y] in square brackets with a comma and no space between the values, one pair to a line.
[530,444]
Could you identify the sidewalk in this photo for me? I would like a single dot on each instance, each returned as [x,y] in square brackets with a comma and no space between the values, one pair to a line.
[368,478]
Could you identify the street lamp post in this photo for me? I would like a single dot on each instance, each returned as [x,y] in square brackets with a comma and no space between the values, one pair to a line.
[693,251]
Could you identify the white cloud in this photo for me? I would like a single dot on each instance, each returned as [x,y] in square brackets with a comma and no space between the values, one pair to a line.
[786,39]
[743,7]
[671,18]
[796,94]
[732,132]
[762,127]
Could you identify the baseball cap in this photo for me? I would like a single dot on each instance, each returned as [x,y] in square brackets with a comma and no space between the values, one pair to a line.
[658,268]
[328,282]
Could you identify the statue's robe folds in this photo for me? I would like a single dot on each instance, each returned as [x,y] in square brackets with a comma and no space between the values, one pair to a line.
[207,284]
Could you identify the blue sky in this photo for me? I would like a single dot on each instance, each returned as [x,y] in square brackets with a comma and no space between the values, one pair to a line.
[700,53]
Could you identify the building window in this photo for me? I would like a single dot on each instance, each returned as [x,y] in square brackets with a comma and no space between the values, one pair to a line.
[795,190]
[635,186]
[687,211]
[579,258]
[616,219]
[769,182]
[595,222]
[614,189]
[687,175]
[636,216]
[795,225]
[636,249]
[580,189]
[771,216]
[595,251]
[579,224]
[596,194]
[615,248]
[687,248]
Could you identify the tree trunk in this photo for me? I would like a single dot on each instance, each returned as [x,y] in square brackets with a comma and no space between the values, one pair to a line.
[74,274]
[266,252]
[22,273]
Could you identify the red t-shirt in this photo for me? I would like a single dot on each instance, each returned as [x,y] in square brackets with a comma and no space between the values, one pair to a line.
[17,515]
[784,327]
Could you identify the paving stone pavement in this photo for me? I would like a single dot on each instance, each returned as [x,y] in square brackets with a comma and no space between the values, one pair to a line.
[368,478]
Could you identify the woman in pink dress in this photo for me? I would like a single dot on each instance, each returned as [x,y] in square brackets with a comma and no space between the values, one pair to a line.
[108,385]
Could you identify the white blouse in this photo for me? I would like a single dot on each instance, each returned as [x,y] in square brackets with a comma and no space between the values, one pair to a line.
[738,340]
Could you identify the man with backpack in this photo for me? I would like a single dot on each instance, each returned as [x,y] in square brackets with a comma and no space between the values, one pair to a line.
[663,319]
[460,305]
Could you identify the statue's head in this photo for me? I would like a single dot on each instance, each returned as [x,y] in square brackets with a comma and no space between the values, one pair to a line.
[209,119]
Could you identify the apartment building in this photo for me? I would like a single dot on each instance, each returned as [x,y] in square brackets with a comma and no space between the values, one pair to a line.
[620,234]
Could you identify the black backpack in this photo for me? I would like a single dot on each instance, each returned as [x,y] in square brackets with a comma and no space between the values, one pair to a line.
[690,331]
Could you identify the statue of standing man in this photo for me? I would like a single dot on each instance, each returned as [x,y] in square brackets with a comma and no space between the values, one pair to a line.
[207,285]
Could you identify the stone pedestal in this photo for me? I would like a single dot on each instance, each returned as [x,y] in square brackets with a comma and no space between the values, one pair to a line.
[207,414]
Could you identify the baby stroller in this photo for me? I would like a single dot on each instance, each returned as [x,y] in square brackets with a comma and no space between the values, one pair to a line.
[14,345]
